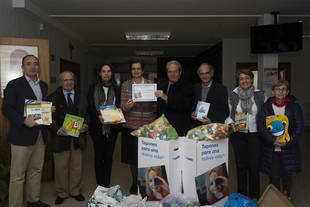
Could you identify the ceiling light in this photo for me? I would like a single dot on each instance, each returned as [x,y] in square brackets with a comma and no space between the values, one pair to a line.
[147,35]
[149,52]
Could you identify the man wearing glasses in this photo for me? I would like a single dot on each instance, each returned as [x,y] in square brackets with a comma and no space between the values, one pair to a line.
[213,93]
[67,150]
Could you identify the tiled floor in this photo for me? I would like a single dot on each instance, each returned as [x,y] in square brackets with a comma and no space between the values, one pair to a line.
[121,176]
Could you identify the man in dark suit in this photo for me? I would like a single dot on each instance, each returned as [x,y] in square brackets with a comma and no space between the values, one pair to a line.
[175,99]
[67,149]
[26,137]
[211,92]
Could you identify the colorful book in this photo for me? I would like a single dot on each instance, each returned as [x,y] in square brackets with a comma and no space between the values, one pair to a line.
[240,121]
[72,124]
[202,109]
[40,110]
[111,114]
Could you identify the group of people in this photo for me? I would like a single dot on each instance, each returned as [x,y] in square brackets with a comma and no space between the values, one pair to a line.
[254,146]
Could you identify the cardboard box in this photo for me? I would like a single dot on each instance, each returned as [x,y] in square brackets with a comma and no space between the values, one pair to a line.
[184,160]
[273,197]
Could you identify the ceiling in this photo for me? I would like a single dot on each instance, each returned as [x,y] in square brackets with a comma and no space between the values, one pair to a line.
[195,25]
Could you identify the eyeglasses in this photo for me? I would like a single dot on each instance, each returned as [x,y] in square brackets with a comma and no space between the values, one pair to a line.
[67,80]
[280,89]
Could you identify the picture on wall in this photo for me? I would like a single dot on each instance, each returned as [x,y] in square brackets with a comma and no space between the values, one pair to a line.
[11,61]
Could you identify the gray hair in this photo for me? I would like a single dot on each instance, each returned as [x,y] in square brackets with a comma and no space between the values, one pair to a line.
[60,75]
[174,62]
[212,69]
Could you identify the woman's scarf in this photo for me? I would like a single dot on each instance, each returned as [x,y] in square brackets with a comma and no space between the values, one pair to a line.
[274,101]
[246,99]
[100,99]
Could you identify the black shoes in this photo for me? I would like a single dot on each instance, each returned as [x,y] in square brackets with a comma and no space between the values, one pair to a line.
[59,200]
[37,204]
[79,197]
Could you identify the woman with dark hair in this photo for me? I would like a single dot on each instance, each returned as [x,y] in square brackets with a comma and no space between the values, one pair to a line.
[103,92]
[280,158]
[136,115]
[246,101]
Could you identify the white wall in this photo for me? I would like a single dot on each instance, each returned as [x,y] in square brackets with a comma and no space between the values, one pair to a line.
[22,24]
[238,51]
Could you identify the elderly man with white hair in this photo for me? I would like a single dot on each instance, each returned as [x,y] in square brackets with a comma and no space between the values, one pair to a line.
[175,99]
[67,150]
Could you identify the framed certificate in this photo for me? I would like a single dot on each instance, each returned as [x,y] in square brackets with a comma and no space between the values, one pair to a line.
[144,92]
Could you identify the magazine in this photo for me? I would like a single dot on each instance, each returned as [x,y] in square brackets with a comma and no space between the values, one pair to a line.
[40,110]
[72,124]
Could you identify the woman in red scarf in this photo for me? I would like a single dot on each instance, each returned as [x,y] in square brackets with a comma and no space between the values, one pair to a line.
[280,157]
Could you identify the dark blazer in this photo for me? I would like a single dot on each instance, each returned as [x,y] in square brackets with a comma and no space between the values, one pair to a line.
[291,159]
[63,143]
[178,107]
[218,99]
[95,124]
[15,93]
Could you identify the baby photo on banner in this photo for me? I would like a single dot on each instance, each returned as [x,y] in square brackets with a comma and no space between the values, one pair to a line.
[153,183]
[212,186]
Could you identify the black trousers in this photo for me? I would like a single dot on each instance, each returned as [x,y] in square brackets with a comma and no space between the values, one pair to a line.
[247,154]
[278,177]
[104,148]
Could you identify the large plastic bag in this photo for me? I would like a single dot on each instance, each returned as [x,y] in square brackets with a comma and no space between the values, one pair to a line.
[239,200]
[209,132]
[179,200]
[134,201]
[106,197]
[158,129]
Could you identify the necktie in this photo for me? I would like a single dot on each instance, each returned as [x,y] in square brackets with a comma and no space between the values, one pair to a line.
[169,85]
[69,100]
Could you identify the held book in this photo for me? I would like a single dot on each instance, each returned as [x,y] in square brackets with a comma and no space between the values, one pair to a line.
[72,124]
[40,110]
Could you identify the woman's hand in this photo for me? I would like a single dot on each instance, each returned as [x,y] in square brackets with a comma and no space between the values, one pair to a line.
[278,143]
[53,109]
[101,119]
[130,103]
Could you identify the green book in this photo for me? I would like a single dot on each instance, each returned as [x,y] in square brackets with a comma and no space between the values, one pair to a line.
[72,124]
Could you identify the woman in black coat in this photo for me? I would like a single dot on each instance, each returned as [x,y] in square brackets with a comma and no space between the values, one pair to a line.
[281,159]
[103,92]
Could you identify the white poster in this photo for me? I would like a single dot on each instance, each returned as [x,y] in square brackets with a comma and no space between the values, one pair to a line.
[11,60]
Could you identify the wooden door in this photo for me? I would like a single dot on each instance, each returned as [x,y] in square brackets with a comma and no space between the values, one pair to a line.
[11,52]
